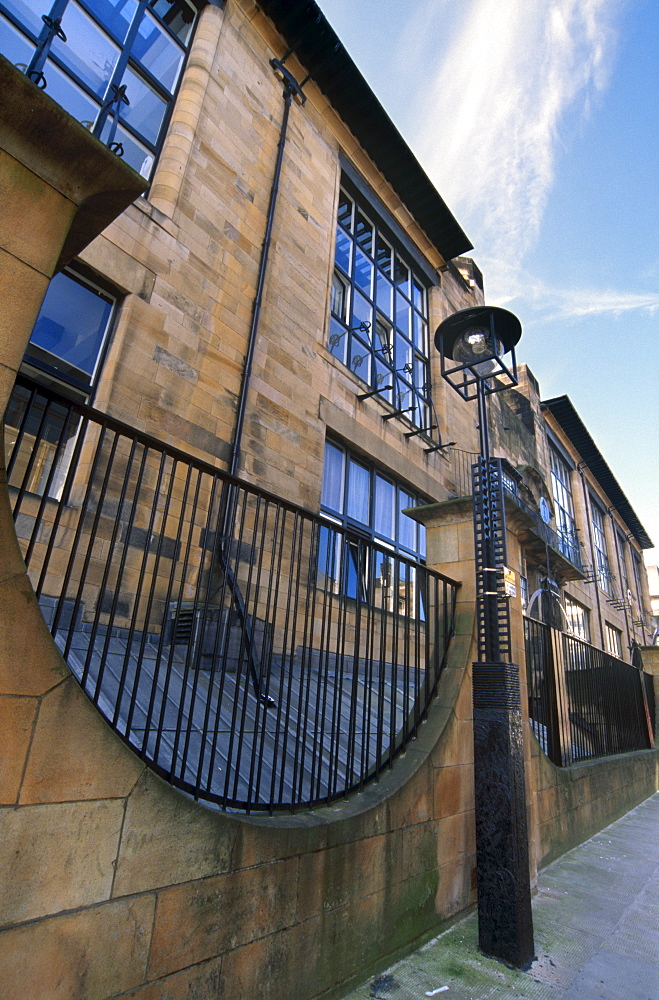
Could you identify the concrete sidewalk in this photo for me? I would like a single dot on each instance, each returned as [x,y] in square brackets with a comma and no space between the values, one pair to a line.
[596,923]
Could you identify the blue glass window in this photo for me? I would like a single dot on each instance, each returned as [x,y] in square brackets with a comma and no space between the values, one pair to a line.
[70,331]
[114,64]
[382,335]
[366,561]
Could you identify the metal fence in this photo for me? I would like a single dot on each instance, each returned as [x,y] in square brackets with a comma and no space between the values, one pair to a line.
[254,654]
[583,702]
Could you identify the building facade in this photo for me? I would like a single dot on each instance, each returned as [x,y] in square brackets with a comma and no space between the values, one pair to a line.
[228,421]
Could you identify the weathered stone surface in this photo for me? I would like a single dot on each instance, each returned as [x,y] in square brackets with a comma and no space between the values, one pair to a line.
[194,983]
[161,823]
[30,663]
[90,955]
[16,720]
[74,753]
[454,790]
[60,857]
[334,877]
[35,218]
[209,916]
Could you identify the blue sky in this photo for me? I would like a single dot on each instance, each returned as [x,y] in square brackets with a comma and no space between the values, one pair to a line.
[538,121]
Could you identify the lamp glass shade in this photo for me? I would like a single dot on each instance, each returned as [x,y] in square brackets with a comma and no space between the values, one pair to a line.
[477,347]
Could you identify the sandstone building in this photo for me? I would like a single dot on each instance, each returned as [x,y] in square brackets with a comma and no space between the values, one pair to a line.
[231,454]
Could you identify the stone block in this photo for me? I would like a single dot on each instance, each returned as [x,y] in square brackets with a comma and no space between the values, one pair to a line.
[90,955]
[61,855]
[210,916]
[16,720]
[23,290]
[454,790]
[35,218]
[167,838]
[332,878]
[30,663]
[194,983]
[456,886]
[456,836]
[414,801]
[74,753]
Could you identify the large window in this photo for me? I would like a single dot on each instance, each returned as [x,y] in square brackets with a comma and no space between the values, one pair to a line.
[613,640]
[562,494]
[622,562]
[599,542]
[379,314]
[65,348]
[577,618]
[112,64]
[369,504]
[71,329]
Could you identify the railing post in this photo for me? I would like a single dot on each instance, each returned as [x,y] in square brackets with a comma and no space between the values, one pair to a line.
[559,744]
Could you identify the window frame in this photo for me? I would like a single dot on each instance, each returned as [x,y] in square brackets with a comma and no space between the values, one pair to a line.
[602,566]
[39,361]
[578,613]
[561,488]
[110,124]
[613,640]
[381,330]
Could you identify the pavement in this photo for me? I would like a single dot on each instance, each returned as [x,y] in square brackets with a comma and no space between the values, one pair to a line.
[596,926]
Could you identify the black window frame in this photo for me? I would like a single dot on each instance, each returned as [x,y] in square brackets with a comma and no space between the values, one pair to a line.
[602,566]
[384,343]
[109,123]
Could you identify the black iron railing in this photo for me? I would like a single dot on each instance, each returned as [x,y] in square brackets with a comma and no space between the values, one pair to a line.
[583,702]
[256,655]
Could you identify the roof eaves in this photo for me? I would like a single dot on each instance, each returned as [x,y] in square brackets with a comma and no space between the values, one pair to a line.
[317,46]
[563,411]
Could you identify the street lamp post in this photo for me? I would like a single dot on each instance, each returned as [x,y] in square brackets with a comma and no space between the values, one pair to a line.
[473,344]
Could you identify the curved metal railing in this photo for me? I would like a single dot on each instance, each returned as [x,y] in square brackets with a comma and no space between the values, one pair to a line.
[254,654]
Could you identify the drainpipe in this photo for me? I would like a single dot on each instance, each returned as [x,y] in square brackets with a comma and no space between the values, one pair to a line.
[586,501]
[291,89]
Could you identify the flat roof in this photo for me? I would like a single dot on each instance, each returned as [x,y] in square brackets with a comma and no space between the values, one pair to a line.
[571,423]
[317,46]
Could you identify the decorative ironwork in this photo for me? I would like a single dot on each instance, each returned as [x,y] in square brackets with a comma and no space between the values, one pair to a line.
[256,655]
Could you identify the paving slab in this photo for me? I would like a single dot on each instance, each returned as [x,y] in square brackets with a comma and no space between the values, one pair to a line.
[596,926]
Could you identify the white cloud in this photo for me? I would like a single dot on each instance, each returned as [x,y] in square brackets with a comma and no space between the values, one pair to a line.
[489,129]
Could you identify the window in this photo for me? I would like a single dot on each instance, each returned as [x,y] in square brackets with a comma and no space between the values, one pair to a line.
[562,494]
[112,64]
[577,618]
[622,562]
[379,314]
[613,640]
[636,565]
[599,542]
[524,591]
[65,348]
[71,329]
[370,504]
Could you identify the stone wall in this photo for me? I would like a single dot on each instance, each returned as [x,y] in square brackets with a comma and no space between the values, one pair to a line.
[119,885]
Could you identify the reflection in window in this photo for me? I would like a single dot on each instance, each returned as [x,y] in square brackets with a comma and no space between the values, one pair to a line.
[71,328]
[564,508]
[117,68]
[65,347]
[599,542]
[577,618]
[613,640]
[363,563]
[379,319]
